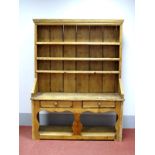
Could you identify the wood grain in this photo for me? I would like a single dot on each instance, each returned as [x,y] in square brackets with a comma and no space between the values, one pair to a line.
[35,121]
[82,51]
[69,51]
[94,133]
[85,42]
[78,67]
[43,79]
[35,87]
[118,125]
[56,80]
[78,96]
[78,21]
[76,59]
[77,125]
[77,72]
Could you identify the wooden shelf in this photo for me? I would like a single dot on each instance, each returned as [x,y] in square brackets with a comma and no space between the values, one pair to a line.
[61,132]
[77,43]
[77,59]
[76,72]
[88,22]
[78,96]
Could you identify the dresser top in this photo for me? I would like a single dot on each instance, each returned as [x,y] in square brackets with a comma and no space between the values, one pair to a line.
[84,21]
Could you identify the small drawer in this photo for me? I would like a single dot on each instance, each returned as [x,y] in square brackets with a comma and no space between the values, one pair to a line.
[56,104]
[107,104]
[48,104]
[65,104]
[98,104]
[90,104]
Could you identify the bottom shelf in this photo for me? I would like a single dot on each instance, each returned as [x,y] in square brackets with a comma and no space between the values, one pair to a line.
[65,132]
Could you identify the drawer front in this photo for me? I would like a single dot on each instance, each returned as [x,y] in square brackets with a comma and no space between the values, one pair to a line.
[56,104]
[65,104]
[98,104]
[90,104]
[106,104]
[48,104]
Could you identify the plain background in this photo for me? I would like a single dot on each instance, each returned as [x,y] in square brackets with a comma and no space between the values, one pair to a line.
[144,73]
[86,9]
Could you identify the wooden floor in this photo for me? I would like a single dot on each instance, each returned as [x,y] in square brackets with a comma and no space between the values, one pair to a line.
[75,147]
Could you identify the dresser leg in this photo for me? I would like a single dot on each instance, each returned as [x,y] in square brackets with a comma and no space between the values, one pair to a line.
[119,118]
[35,120]
[77,125]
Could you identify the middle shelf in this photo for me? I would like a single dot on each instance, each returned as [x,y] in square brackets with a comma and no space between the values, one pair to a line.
[77,59]
[76,43]
[76,72]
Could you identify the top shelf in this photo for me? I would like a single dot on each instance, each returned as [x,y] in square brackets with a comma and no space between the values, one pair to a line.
[78,21]
[77,43]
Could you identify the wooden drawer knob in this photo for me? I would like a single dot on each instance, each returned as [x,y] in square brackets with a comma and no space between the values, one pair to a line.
[99,104]
[55,103]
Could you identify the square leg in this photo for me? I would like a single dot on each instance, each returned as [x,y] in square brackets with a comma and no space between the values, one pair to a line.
[35,120]
[77,125]
[118,125]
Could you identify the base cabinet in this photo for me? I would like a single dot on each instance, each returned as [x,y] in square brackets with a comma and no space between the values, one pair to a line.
[77,130]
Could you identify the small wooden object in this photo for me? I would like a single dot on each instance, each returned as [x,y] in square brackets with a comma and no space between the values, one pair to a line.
[77,69]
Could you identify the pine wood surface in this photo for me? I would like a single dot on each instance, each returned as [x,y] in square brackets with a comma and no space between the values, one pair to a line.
[77,72]
[78,67]
[77,43]
[77,59]
[77,96]
[65,132]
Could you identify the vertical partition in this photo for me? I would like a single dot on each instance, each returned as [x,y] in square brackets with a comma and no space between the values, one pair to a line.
[69,51]
[82,81]
[56,34]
